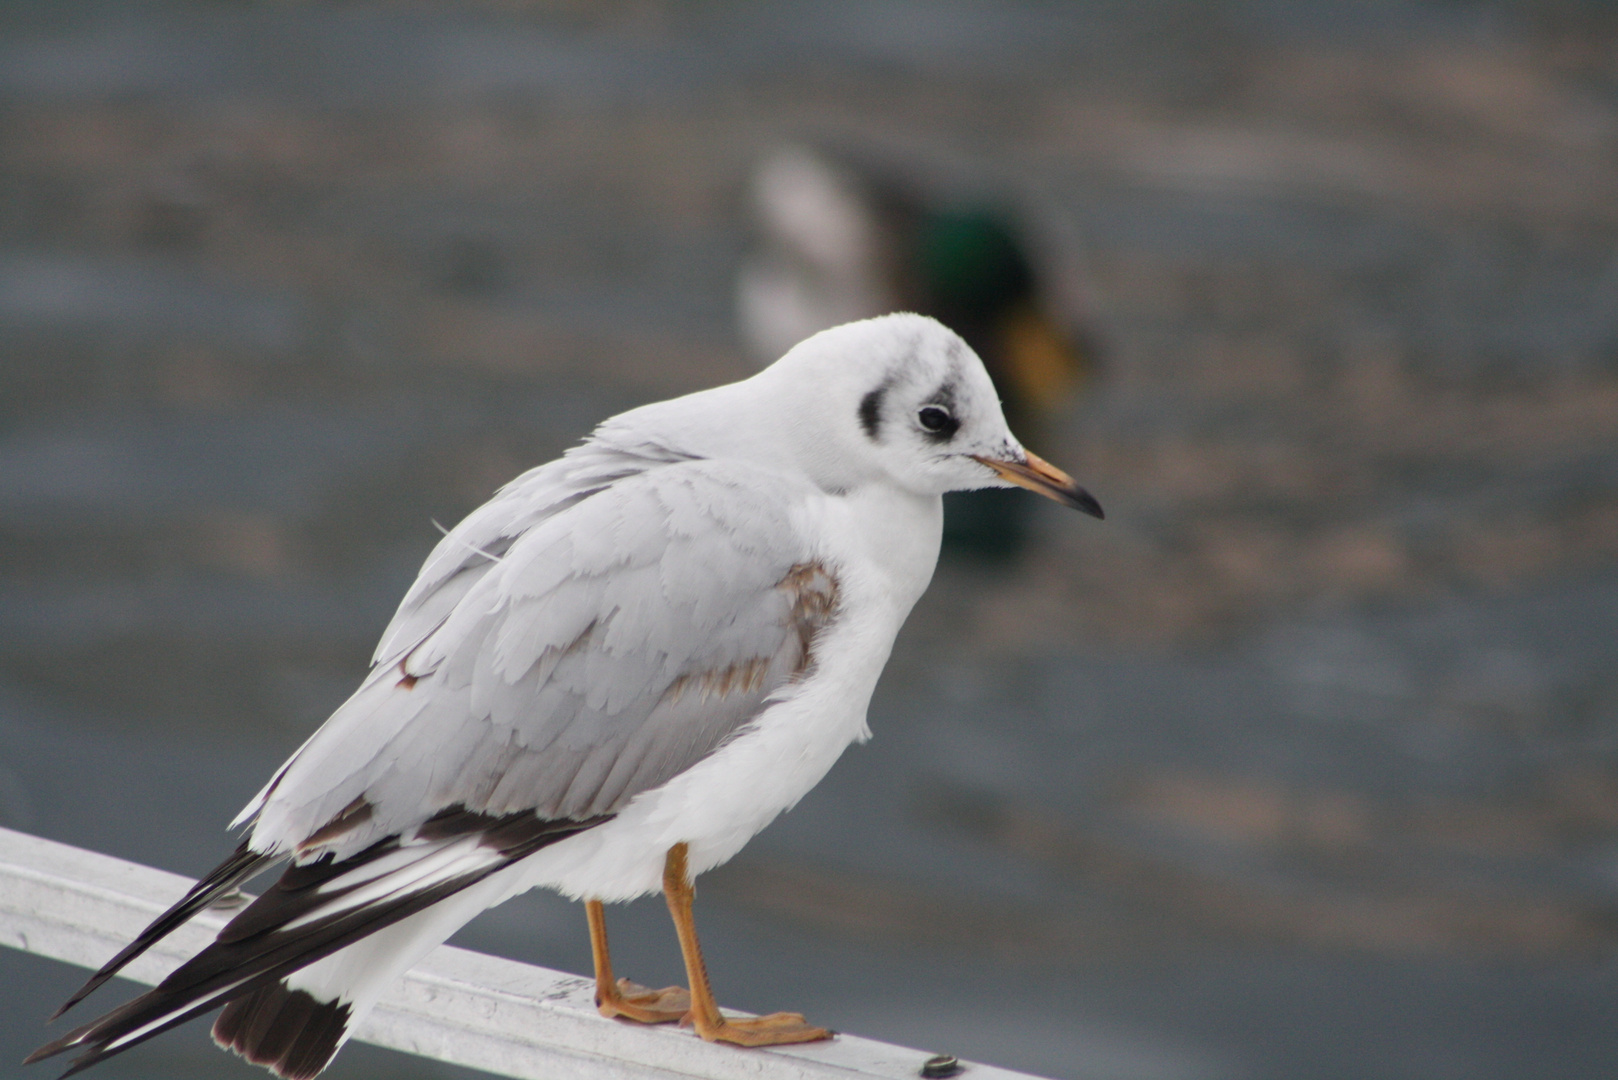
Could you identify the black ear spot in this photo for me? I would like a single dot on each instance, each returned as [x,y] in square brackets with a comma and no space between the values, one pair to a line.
[871,412]
[938,422]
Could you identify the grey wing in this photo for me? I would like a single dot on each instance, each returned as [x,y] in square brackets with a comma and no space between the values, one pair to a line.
[466,552]
[604,650]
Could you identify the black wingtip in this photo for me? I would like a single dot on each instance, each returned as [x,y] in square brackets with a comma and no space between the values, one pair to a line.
[78,1065]
[90,986]
[254,949]
[243,864]
[73,1038]
[49,1050]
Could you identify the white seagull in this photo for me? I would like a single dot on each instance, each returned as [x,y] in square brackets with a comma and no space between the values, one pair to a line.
[604,681]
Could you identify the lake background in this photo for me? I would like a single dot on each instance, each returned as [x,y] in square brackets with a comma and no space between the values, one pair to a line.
[1301,765]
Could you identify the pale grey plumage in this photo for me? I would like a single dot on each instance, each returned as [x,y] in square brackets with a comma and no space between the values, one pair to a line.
[605,622]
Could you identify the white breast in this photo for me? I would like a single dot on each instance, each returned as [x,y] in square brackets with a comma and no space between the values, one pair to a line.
[882,544]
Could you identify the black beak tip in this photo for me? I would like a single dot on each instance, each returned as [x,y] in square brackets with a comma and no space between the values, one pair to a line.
[1083,500]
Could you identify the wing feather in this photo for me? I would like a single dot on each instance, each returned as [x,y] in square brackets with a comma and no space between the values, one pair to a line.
[568,660]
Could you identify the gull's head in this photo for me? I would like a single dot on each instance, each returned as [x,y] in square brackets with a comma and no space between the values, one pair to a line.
[903,399]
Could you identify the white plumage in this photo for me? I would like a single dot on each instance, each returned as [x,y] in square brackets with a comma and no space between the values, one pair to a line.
[642,651]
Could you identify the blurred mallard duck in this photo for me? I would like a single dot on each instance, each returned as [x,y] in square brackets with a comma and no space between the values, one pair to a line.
[836,241]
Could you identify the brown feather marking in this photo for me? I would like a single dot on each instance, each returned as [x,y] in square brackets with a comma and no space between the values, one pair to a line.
[814,596]
[676,688]
[814,590]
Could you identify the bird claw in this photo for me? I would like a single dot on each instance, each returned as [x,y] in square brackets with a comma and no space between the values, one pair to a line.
[645,1006]
[776,1029]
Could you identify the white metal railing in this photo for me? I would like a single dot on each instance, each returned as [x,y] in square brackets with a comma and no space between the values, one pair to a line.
[457,1006]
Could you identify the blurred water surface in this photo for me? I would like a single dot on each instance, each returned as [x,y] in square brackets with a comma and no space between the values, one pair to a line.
[1301,764]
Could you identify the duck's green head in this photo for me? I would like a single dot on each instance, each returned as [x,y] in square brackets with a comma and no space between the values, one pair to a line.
[968,261]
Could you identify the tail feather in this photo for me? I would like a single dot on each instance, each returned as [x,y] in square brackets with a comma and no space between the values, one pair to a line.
[313,911]
[288,1031]
[241,866]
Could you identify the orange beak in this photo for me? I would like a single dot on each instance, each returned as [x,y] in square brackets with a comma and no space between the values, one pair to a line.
[1038,475]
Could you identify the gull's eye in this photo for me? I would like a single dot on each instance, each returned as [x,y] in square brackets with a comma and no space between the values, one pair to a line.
[937,420]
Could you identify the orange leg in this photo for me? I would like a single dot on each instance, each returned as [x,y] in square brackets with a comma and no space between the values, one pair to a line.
[710,1023]
[622,998]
